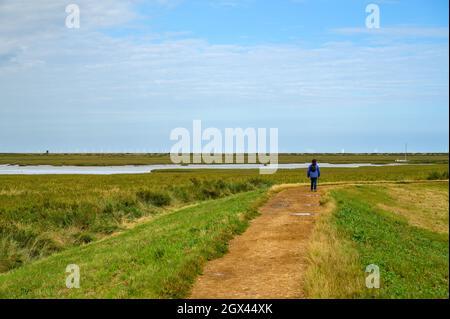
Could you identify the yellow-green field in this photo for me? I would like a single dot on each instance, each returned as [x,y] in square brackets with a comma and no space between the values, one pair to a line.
[48,221]
[401,228]
[157,259]
[148,159]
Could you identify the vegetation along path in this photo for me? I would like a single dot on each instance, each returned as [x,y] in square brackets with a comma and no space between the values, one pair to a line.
[269,259]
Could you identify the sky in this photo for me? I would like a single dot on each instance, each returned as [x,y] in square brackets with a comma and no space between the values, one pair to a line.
[135,70]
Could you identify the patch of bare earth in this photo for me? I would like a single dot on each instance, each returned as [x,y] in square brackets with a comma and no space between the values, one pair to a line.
[269,259]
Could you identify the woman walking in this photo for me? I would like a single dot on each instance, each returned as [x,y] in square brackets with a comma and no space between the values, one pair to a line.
[314,174]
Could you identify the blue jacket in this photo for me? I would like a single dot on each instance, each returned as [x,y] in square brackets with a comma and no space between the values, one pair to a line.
[312,174]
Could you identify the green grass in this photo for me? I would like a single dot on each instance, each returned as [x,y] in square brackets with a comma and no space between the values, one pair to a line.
[158,259]
[147,159]
[414,261]
[41,215]
[44,214]
[383,173]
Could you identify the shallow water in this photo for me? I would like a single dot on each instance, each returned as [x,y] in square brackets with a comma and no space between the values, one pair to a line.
[142,169]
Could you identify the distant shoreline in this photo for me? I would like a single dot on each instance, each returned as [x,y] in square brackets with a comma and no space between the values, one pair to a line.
[142,159]
[144,169]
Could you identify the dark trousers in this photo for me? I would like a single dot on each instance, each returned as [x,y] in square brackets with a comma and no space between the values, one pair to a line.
[313,183]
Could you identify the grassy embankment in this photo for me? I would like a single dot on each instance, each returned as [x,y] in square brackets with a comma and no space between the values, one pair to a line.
[402,228]
[159,259]
[42,215]
[59,215]
[147,159]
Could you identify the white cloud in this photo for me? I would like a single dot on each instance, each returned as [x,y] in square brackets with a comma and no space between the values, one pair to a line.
[22,16]
[403,31]
[50,72]
[34,41]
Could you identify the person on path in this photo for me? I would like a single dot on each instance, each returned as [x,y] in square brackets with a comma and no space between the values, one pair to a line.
[314,174]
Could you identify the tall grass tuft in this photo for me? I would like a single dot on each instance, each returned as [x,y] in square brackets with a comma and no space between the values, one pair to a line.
[435,175]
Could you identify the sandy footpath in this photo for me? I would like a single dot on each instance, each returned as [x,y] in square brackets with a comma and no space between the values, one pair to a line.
[269,259]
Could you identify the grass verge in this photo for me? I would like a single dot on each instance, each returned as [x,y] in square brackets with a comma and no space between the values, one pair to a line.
[158,259]
[413,261]
[332,260]
[42,215]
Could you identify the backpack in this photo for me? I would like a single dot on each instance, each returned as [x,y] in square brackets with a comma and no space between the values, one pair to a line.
[313,168]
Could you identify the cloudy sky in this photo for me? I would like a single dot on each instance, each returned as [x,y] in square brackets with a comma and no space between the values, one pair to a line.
[135,70]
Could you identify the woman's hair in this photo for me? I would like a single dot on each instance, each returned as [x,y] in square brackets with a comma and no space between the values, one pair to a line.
[314,161]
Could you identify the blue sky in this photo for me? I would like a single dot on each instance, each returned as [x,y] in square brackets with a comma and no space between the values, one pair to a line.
[135,70]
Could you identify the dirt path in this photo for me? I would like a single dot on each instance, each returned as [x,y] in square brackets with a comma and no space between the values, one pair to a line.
[268,260]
